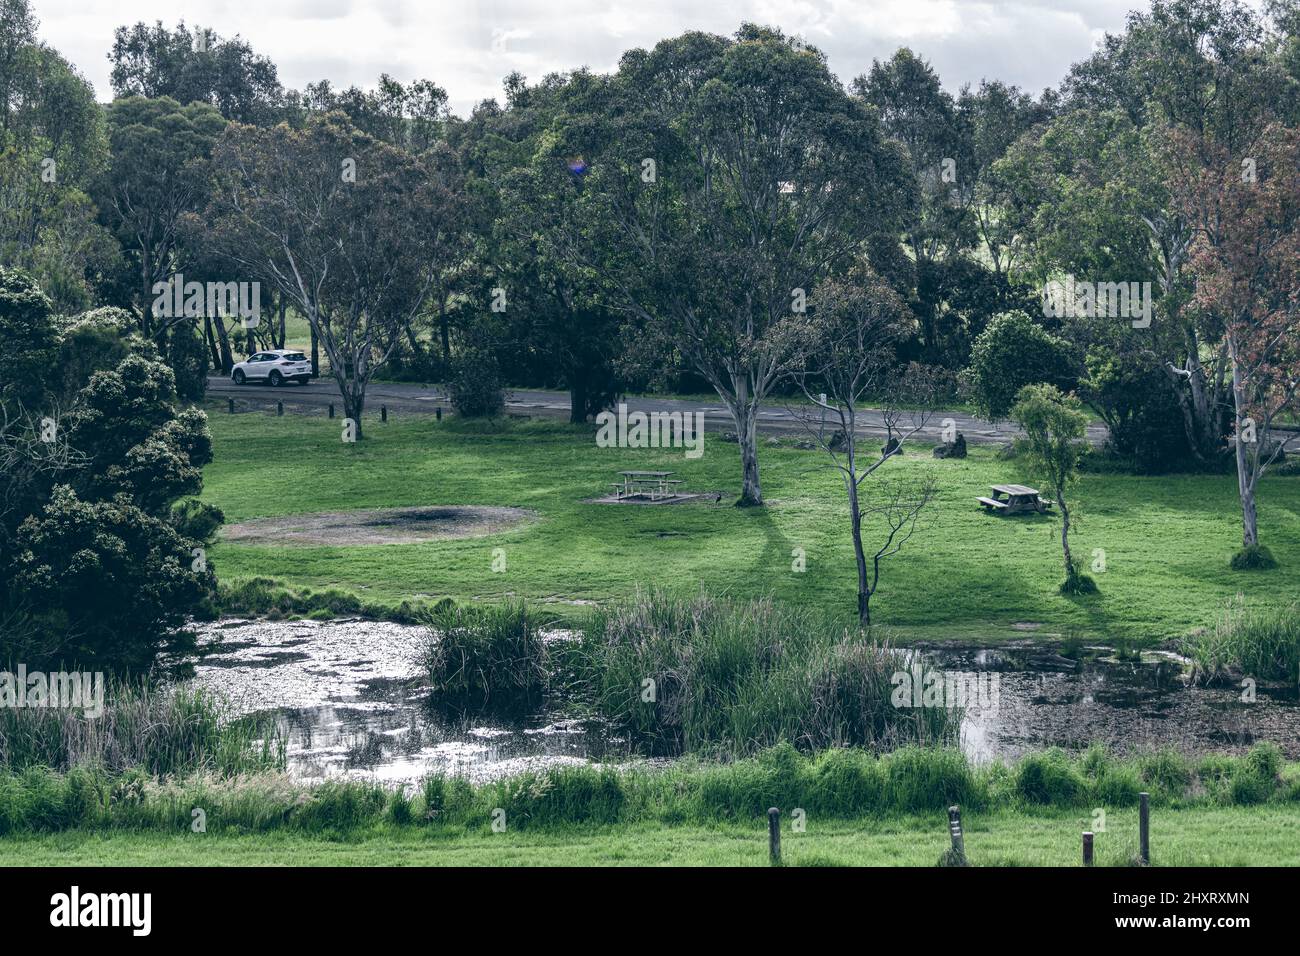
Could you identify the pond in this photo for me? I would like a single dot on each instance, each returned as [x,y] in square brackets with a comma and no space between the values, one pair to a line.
[347,703]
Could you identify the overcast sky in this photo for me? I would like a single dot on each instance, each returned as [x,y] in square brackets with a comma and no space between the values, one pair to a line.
[467,46]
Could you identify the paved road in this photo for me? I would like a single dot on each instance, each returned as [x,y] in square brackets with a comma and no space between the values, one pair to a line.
[408,398]
[773,418]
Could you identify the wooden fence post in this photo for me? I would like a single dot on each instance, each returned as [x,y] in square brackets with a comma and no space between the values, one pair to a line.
[1087,848]
[774,836]
[383,413]
[439,413]
[331,409]
[279,409]
[1144,828]
[958,853]
[230,406]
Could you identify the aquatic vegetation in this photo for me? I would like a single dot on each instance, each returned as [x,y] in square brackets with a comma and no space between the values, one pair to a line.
[1262,643]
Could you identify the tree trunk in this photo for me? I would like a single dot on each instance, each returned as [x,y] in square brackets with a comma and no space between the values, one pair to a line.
[860,556]
[315,353]
[578,401]
[746,418]
[1065,532]
[223,339]
[354,402]
[211,339]
[1246,468]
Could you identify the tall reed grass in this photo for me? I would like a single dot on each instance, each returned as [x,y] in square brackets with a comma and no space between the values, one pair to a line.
[702,675]
[487,655]
[162,730]
[1263,643]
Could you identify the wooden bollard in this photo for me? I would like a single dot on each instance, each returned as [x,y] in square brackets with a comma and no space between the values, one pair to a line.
[1144,828]
[774,836]
[331,409]
[1087,848]
[954,828]
[279,409]
[439,412]
[383,413]
[230,406]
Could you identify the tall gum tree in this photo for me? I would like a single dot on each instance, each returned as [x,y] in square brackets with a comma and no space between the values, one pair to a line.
[715,182]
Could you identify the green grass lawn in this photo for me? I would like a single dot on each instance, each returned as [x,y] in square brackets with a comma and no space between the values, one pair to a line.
[1234,836]
[1167,540]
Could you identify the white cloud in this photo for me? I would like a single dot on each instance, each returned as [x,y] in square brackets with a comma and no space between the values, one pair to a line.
[468,46]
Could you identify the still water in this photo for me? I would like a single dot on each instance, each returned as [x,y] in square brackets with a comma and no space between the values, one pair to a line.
[348,700]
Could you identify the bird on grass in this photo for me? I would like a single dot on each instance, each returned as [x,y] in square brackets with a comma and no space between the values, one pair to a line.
[718,500]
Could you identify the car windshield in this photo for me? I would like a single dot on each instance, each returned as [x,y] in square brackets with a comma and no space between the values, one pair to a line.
[295,357]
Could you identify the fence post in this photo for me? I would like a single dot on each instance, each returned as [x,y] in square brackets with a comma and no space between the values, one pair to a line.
[230,406]
[774,836]
[1087,848]
[383,413]
[954,828]
[439,413]
[331,409]
[1144,828]
[279,409]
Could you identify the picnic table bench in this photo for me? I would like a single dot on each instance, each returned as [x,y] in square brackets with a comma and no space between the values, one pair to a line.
[651,484]
[1014,499]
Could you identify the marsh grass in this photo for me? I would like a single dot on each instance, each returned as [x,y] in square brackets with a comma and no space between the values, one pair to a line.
[161,730]
[704,675]
[1263,643]
[494,655]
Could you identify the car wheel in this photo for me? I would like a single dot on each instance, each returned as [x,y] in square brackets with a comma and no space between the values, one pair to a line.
[275,379]
[238,376]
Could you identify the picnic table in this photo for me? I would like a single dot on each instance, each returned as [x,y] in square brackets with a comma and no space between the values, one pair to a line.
[1014,499]
[651,484]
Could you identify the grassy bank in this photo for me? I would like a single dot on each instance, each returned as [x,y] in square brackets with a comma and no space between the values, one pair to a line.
[840,783]
[1167,540]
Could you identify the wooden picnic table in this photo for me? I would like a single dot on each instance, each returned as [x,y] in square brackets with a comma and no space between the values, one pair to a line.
[1014,499]
[655,484]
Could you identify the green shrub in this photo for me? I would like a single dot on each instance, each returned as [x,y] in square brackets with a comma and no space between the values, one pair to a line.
[1049,778]
[920,779]
[1165,774]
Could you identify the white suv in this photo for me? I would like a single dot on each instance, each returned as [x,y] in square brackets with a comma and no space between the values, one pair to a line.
[276,366]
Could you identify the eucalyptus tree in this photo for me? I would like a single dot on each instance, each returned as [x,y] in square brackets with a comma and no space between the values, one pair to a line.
[157,175]
[352,231]
[193,65]
[711,184]
[844,356]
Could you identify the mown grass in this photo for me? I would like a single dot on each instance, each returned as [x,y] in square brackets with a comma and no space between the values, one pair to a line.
[1200,836]
[1167,540]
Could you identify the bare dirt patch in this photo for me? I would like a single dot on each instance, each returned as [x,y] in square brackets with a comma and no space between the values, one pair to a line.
[379,526]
